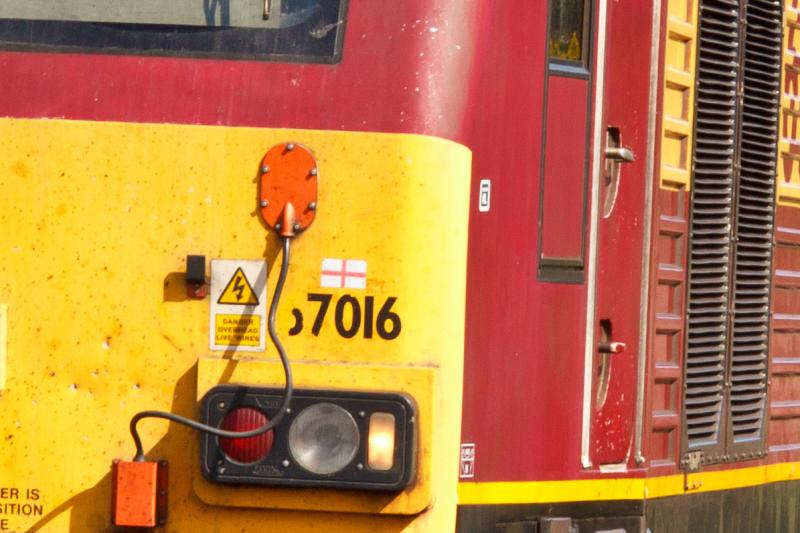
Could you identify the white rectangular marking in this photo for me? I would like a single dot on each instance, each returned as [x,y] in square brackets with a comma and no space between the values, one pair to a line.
[485,195]
[467,466]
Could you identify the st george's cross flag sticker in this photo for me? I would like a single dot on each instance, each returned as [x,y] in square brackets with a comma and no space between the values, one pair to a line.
[344,274]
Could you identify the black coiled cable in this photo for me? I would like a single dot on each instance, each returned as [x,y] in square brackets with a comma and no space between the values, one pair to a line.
[287,371]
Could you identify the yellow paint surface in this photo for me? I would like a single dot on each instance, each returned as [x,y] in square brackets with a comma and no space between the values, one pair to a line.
[3,344]
[789,135]
[98,219]
[678,99]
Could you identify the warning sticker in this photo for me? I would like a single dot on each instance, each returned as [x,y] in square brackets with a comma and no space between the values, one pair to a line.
[238,291]
[235,330]
[238,297]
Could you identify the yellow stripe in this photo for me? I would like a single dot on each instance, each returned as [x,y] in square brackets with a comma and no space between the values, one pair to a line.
[516,492]
[550,491]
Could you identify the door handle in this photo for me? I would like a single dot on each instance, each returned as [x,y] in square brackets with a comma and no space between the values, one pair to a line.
[611,347]
[621,154]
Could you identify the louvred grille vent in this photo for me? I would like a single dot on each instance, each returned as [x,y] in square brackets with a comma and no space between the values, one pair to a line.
[730,249]
[712,197]
[754,218]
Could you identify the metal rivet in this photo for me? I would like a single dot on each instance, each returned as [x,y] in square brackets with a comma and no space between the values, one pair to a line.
[285,463]
[264,203]
[290,146]
[220,462]
[313,171]
[359,466]
[312,205]
[296,226]
[221,405]
[278,226]
[221,470]
[265,169]
[362,414]
[288,410]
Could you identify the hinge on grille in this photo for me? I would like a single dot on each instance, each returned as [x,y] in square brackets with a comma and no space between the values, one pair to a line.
[692,463]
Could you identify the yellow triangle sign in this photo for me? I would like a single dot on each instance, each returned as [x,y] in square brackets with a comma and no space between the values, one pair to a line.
[238,291]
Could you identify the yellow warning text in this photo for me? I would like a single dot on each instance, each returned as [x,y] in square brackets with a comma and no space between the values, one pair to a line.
[237,330]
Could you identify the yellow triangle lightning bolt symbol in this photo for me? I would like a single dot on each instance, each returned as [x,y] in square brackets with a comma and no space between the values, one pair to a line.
[238,291]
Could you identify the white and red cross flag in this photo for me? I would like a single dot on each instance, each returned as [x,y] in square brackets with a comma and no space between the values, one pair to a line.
[344,273]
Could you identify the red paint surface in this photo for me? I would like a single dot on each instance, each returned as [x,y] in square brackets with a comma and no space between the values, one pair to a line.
[477,79]
[398,69]
[524,340]
[564,168]
[619,248]
[666,324]
[783,429]
[664,381]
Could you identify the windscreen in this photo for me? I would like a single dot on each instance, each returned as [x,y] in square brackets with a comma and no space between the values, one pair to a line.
[292,30]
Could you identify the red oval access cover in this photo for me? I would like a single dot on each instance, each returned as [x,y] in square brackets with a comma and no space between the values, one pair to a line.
[288,175]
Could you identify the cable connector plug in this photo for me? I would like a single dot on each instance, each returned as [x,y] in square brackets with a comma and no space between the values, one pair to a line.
[288,221]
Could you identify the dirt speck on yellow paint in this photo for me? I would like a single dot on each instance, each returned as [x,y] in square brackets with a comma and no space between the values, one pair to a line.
[20,168]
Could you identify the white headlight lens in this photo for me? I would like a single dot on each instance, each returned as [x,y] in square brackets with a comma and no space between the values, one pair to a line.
[323,438]
[380,455]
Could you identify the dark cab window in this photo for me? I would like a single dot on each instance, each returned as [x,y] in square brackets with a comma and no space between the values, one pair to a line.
[282,30]
[568,31]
